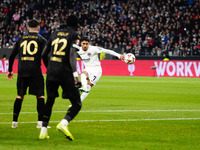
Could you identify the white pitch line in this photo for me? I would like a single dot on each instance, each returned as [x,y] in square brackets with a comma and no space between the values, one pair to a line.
[97,111]
[117,120]
[150,81]
[113,111]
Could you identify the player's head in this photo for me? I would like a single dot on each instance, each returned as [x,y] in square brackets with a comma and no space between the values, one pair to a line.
[33,25]
[73,22]
[85,42]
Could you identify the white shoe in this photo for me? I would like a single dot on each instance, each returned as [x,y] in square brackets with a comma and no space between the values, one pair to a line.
[64,129]
[83,90]
[14,124]
[43,136]
[39,125]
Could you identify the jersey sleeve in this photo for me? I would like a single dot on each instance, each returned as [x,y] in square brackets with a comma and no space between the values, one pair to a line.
[13,55]
[44,41]
[73,58]
[107,51]
[76,46]
[76,37]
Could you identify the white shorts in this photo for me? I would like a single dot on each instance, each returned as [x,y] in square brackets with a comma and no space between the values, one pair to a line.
[94,74]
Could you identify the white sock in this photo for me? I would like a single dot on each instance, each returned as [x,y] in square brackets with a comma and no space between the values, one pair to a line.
[64,122]
[39,122]
[83,79]
[84,95]
[43,130]
[89,87]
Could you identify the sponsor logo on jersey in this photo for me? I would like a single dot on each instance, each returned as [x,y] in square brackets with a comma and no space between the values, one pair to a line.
[86,59]
[89,54]
[27,58]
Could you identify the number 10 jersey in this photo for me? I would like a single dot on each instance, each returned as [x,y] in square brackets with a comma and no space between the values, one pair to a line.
[29,49]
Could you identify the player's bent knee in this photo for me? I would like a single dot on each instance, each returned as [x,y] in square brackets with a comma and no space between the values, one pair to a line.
[77,105]
[80,105]
[85,72]
[89,83]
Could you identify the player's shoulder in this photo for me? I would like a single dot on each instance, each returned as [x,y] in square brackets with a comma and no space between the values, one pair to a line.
[97,48]
[41,38]
[92,47]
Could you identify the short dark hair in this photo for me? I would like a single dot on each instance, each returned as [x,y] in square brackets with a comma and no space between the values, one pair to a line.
[85,38]
[33,23]
[73,21]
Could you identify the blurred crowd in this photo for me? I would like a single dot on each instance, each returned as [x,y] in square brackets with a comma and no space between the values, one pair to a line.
[142,27]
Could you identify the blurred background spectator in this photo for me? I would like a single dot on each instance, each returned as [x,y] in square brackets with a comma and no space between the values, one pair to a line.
[142,27]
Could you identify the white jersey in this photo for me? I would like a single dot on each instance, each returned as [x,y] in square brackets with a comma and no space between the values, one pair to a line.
[90,57]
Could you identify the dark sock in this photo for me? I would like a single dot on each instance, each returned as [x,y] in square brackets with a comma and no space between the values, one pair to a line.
[68,118]
[40,108]
[17,108]
[44,124]
[47,111]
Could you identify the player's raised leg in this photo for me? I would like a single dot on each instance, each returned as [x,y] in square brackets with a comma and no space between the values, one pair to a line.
[93,76]
[74,98]
[84,77]
[85,94]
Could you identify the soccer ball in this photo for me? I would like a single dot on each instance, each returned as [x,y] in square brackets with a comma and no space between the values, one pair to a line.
[129,58]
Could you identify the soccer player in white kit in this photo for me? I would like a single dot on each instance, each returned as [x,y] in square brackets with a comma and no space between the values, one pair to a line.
[93,71]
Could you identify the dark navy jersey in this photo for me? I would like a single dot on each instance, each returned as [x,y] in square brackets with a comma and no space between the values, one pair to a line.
[57,53]
[29,49]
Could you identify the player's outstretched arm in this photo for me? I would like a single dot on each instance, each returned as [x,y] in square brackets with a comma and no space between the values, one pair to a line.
[76,46]
[73,65]
[110,52]
[11,60]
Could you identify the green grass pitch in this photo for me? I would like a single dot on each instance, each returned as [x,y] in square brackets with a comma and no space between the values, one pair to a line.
[127,113]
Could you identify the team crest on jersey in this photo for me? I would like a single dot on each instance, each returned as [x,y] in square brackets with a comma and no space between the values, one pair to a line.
[89,54]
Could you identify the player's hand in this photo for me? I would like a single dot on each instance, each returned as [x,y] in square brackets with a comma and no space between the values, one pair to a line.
[122,57]
[10,76]
[77,82]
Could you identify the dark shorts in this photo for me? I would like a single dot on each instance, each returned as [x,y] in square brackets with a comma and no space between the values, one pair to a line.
[69,91]
[35,84]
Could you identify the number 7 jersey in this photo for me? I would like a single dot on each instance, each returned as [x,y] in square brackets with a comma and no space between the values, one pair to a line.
[29,49]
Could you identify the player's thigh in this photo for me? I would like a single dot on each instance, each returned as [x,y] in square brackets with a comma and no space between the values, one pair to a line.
[69,90]
[36,86]
[94,76]
[22,85]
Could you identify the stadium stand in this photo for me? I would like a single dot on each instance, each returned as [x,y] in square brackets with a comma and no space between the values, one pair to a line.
[142,27]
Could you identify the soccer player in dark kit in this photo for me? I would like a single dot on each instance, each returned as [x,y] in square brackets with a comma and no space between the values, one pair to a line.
[60,59]
[29,49]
